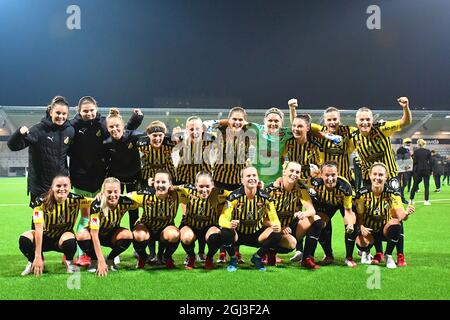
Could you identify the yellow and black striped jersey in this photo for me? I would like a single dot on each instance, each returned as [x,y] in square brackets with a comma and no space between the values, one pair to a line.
[339,153]
[377,147]
[305,154]
[202,213]
[107,219]
[375,211]
[153,159]
[194,157]
[157,213]
[250,212]
[288,202]
[340,195]
[231,155]
[63,217]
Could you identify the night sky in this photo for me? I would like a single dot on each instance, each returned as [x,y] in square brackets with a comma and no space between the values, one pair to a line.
[260,52]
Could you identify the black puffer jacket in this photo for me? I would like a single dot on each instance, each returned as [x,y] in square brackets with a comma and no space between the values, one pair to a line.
[47,155]
[122,157]
[87,157]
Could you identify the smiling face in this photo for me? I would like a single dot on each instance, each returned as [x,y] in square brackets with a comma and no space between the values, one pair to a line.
[272,122]
[88,111]
[156,139]
[378,176]
[59,114]
[332,121]
[292,173]
[236,121]
[61,188]
[194,129]
[250,178]
[162,184]
[112,194]
[329,176]
[115,127]
[204,186]
[364,121]
[300,128]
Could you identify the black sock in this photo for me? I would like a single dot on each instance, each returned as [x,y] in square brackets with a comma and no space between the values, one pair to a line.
[228,240]
[214,242]
[325,239]
[279,249]
[393,234]
[350,241]
[152,247]
[121,246]
[69,248]
[88,248]
[201,245]
[26,246]
[272,241]
[189,248]
[299,246]
[401,240]
[312,236]
[237,247]
[171,247]
[161,248]
[378,244]
[139,247]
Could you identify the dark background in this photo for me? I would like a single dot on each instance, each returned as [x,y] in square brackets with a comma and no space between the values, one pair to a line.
[258,52]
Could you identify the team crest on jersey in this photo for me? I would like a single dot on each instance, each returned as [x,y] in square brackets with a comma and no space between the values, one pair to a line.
[249,215]
[66,140]
[98,133]
[37,214]
[160,212]
[386,205]
[394,184]
[130,146]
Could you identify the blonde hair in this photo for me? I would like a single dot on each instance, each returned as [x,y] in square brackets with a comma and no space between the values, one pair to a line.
[276,111]
[287,163]
[421,143]
[378,164]
[114,113]
[364,109]
[103,204]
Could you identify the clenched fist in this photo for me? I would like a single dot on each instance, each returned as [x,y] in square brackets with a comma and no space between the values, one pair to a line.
[293,103]
[403,101]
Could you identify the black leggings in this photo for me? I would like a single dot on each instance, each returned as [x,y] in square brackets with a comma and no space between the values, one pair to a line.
[417,180]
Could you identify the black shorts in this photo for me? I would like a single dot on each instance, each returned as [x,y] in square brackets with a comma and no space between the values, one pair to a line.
[50,243]
[106,238]
[250,240]
[327,209]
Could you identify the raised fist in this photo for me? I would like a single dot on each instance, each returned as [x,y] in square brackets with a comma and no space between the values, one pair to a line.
[403,101]
[293,103]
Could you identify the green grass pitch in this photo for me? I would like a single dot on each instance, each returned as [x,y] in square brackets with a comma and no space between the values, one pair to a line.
[427,276]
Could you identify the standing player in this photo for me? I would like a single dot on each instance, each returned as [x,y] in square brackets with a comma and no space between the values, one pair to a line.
[122,156]
[242,220]
[380,212]
[105,229]
[54,217]
[330,193]
[87,157]
[160,206]
[373,143]
[49,143]
[289,197]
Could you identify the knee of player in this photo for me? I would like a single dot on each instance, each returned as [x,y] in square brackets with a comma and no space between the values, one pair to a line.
[140,235]
[172,235]
[125,234]
[67,236]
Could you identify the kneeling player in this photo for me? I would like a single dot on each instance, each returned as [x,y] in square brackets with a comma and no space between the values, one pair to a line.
[157,222]
[289,196]
[380,212]
[104,228]
[54,216]
[201,219]
[243,218]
